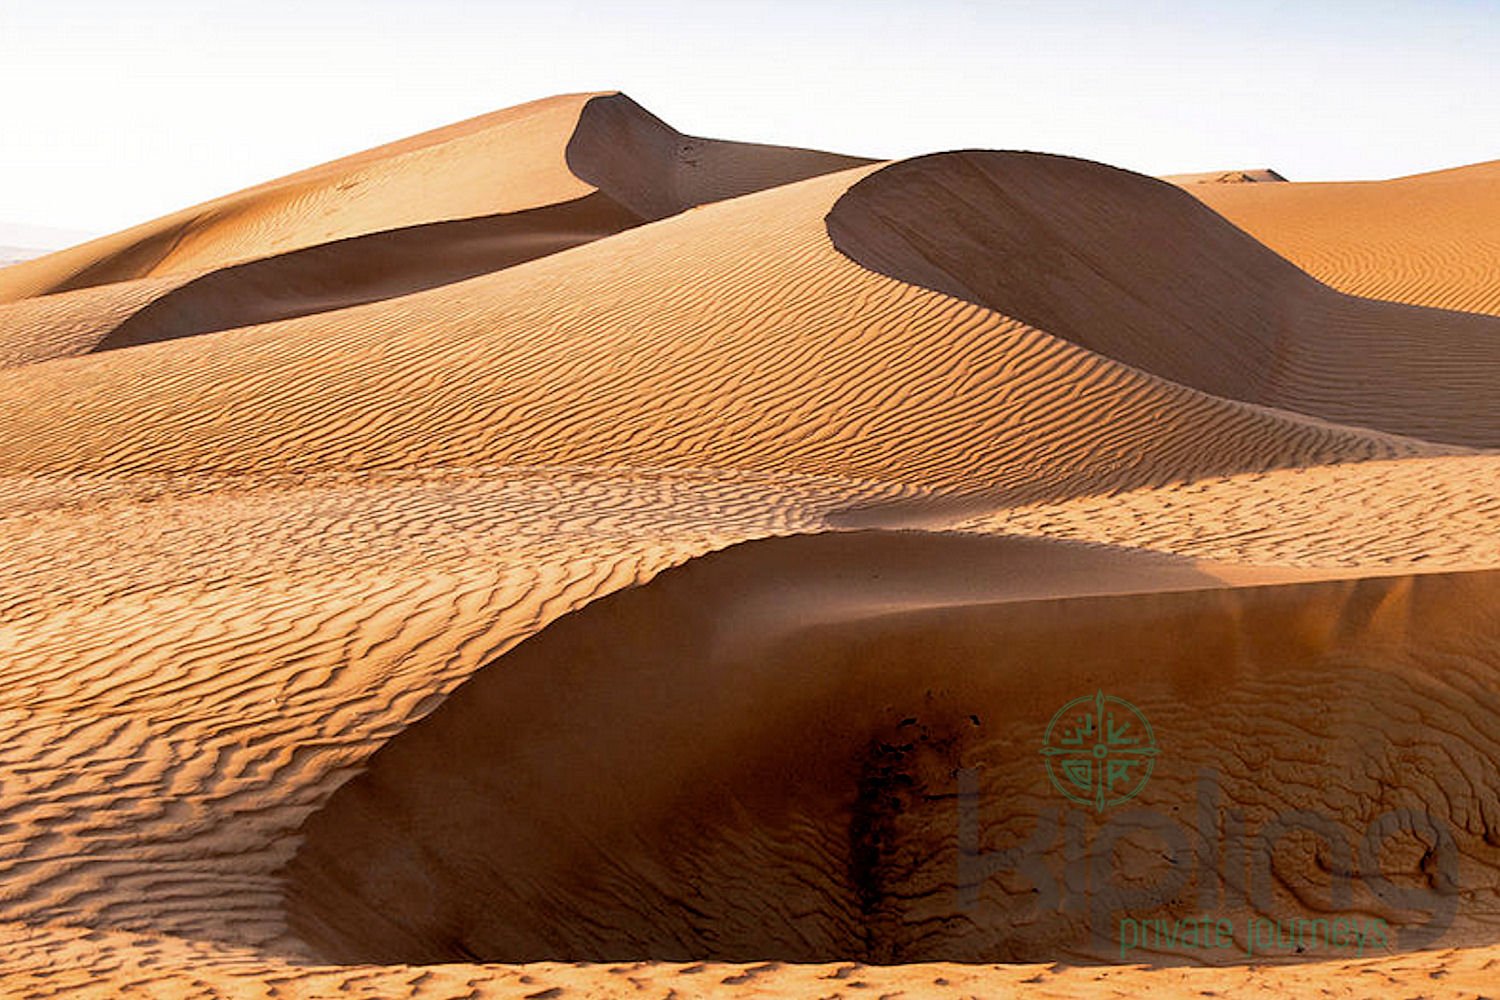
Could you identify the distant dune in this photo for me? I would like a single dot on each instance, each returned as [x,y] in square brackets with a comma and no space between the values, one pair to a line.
[20,242]
[1429,240]
[1260,176]
[557,556]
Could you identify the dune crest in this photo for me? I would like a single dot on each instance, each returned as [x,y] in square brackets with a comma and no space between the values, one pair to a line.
[1136,269]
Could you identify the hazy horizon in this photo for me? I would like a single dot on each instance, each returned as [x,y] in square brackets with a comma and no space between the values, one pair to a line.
[120,114]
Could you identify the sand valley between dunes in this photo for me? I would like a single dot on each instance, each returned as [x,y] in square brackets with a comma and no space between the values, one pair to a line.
[556,556]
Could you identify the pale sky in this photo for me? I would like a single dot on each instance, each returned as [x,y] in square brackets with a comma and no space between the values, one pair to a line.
[115,112]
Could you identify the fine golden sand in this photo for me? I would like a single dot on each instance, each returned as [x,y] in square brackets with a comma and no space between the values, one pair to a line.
[554,556]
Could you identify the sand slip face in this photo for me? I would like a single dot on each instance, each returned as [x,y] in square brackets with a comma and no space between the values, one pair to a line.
[777,777]
[610,604]
[1134,269]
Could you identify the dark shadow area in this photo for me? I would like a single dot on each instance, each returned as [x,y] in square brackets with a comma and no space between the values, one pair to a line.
[368,268]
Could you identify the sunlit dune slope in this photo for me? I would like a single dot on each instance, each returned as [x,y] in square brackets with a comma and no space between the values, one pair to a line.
[1429,239]
[502,162]
[1411,513]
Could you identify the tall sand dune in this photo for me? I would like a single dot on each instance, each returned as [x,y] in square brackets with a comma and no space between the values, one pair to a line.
[1134,269]
[555,556]
[467,199]
[605,355]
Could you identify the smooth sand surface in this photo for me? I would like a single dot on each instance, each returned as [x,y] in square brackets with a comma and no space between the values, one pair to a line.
[554,556]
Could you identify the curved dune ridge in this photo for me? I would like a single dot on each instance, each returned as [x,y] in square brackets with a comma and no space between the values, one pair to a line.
[605,354]
[1136,270]
[602,561]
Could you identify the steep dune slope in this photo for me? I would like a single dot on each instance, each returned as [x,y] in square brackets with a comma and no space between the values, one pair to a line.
[1136,270]
[474,197]
[1430,239]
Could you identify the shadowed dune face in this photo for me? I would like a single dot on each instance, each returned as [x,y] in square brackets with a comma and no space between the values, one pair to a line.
[1124,265]
[760,756]
[1140,271]
[644,163]
[367,269]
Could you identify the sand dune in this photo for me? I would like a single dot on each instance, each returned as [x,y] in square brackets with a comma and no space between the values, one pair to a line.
[1428,240]
[882,663]
[385,188]
[1135,270]
[587,557]
[605,355]
[471,198]
[1263,175]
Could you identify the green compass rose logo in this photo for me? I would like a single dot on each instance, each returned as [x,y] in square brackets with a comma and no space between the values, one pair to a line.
[1099,750]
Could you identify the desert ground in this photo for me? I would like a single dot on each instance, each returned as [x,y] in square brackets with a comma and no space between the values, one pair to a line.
[556,556]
